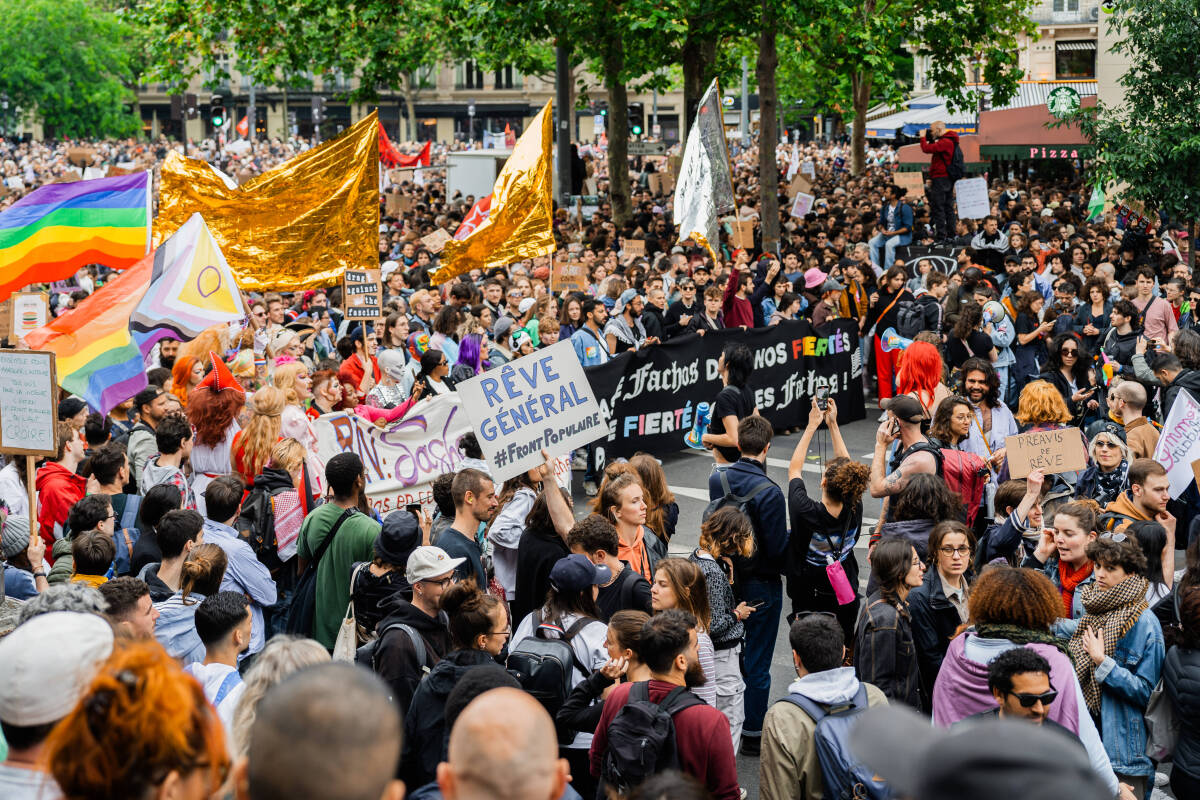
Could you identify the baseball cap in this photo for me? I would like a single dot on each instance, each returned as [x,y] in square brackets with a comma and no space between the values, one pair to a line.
[391,362]
[677,250]
[525,304]
[428,562]
[576,572]
[990,760]
[625,299]
[387,268]
[906,408]
[830,285]
[63,649]
[501,328]
[69,407]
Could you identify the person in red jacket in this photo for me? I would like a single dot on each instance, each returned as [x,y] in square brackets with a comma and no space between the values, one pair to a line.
[702,738]
[940,144]
[736,304]
[357,349]
[58,486]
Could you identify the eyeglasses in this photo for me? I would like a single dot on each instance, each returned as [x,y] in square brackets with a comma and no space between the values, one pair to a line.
[444,582]
[1029,700]
[964,550]
[1116,537]
[506,632]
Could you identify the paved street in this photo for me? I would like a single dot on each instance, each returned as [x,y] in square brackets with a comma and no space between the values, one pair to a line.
[687,474]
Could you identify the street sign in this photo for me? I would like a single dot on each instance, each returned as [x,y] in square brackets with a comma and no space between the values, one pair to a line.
[647,148]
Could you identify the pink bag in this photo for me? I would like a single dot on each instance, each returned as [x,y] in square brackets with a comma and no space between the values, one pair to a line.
[840,583]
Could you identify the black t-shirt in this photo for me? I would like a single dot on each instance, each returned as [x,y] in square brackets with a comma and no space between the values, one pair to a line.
[735,401]
[978,345]
[813,527]
[618,596]
[459,545]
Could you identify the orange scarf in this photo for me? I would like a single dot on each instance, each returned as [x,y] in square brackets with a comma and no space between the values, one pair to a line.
[1069,579]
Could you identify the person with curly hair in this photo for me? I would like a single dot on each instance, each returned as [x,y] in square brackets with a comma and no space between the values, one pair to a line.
[951,422]
[1118,651]
[212,409]
[142,729]
[924,502]
[1042,408]
[1011,607]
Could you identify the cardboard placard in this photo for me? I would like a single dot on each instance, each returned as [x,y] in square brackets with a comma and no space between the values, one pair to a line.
[914,182]
[362,291]
[1060,450]
[802,205]
[655,183]
[808,168]
[635,247]
[392,206]
[800,185]
[436,241]
[28,402]
[541,401]
[743,234]
[406,203]
[568,276]
[80,157]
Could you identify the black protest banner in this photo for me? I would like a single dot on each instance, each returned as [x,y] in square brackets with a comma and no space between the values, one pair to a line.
[650,397]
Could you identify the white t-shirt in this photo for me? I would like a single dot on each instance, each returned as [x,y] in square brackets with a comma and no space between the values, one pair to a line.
[212,677]
[589,646]
[17,783]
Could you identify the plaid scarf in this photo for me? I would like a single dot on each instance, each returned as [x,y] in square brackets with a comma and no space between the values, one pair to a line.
[1113,613]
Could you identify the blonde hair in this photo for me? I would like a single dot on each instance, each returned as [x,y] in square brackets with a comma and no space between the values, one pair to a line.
[287,455]
[261,433]
[1041,403]
[286,378]
[283,656]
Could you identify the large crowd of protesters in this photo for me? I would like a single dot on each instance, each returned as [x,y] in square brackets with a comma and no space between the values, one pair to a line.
[199,606]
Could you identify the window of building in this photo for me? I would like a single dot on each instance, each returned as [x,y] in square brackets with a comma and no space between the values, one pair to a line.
[507,78]
[468,75]
[1066,5]
[1075,60]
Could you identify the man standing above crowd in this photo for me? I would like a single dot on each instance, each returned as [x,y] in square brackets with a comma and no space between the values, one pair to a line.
[940,144]
[1158,319]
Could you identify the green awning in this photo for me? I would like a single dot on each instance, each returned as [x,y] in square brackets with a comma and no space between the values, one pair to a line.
[972,168]
[1037,152]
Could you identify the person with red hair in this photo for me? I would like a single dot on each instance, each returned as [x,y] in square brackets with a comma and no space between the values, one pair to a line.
[212,410]
[920,374]
[142,729]
[186,376]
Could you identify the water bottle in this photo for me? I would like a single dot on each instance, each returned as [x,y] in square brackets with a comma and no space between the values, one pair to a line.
[693,437]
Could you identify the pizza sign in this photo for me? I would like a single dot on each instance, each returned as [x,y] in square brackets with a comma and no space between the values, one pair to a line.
[1051,152]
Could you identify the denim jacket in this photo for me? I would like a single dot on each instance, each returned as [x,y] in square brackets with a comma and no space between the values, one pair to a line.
[1126,679]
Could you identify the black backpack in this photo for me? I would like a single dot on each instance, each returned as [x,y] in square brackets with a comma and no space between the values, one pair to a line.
[738,501]
[302,613]
[543,662]
[956,166]
[910,318]
[641,737]
[256,524]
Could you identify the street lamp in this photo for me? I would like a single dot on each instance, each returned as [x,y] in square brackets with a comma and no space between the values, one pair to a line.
[470,120]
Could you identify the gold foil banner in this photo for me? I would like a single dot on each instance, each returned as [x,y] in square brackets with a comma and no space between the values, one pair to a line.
[520,223]
[298,226]
[705,188]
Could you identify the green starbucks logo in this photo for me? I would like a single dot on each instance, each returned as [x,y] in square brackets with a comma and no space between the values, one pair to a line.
[1063,102]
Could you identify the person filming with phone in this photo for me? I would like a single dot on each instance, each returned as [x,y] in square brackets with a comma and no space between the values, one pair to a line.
[916,454]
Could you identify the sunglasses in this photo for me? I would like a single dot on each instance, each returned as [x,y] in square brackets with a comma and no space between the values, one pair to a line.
[1116,537]
[1069,352]
[1029,700]
[1106,444]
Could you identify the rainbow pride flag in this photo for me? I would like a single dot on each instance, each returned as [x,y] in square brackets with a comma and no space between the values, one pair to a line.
[56,229]
[178,290]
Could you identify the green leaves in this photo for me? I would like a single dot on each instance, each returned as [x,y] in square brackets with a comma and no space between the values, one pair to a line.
[67,64]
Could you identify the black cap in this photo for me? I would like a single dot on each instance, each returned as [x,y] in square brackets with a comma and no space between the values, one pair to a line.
[69,407]
[398,537]
[906,408]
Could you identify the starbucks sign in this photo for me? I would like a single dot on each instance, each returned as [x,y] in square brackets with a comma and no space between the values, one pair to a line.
[1063,102]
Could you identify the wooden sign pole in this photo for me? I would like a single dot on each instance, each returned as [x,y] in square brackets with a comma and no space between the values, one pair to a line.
[30,481]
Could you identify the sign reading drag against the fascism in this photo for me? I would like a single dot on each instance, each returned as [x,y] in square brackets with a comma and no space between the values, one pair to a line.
[651,397]
[403,458]
[541,401]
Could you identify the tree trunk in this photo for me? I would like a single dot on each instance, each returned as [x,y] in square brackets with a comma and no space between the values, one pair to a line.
[860,86]
[699,57]
[768,133]
[410,106]
[618,130]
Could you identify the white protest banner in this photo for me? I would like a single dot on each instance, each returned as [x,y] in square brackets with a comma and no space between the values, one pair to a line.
[402,459]
[803,204]
[540,401]
[1179,443]
[971,195]
[808,168]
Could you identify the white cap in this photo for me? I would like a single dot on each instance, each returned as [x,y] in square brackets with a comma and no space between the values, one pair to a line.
[387,268]
[47,664]
[525,304]
[427,562]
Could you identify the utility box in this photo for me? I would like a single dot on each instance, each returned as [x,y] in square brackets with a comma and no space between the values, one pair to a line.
[474,171]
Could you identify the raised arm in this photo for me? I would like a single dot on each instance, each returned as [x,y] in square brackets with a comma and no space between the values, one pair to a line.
[800,454]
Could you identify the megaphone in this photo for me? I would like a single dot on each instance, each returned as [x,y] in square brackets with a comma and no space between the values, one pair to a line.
[693,437]
[890,340]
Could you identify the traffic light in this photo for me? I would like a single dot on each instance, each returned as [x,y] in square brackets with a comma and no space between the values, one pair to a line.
[318,109]
[637,119]
[216,111]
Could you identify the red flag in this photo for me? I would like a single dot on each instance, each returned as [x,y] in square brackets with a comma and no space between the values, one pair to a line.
[421,159]
[510,138]
[475,217]
[389,156]
[243,127]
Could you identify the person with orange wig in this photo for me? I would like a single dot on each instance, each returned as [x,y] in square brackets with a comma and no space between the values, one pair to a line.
[142,729]
[212,409]
[186,376]
[920,374]
[1042,408]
